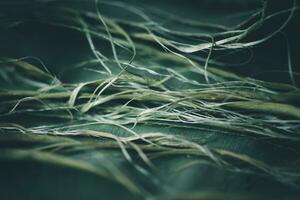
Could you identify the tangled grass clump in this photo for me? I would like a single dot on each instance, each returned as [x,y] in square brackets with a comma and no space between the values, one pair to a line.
[146,103]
